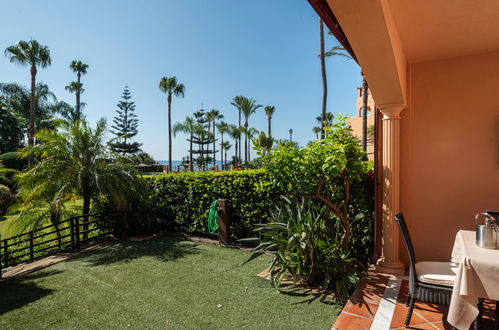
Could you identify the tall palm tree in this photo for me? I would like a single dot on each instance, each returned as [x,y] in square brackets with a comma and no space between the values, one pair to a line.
[323,73]
[75,162]
[237,102]
[32,54]
[188,126]
[225,146]
[250,133]
[269,111]
[223,127]
[248,107]
[235,133]
[364,112]
[213,116]
[79,68]
[171,87]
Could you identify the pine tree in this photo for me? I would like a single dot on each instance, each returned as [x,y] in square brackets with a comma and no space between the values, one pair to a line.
[125,125]
[203,138]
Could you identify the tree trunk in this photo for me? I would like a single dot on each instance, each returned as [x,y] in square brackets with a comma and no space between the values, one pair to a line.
[270,125]
[324,79]
[78,91]
[190,154]
[222,151]
[364,113]
[214,147]
[246,142]
[86,205]
[239,159]
[170,131]
[32,112]
[235,155]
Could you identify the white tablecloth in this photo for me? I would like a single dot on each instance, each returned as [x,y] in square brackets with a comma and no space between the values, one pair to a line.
[477,277]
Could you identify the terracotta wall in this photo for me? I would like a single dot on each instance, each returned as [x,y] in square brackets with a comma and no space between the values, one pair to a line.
[449,150]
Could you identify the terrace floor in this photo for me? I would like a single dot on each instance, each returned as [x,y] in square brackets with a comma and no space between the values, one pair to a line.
[379,303]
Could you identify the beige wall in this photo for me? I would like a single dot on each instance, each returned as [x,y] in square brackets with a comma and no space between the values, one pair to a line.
[449,150]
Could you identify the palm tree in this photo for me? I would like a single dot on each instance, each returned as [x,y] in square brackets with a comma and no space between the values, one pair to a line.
[79,68]
[32,54]
[324,78]
[75,162]
[269,111]
[213,116]
[364,112]
[188,126]
[317,130]
[250,133]
[225,146]
[18,100]
[237,102]
[248,107]
[223,127]
[171,87]
[235,133]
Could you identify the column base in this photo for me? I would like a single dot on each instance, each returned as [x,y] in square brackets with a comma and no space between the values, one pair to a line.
[392,268]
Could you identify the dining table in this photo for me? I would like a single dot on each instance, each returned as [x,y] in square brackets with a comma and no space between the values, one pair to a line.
[477,277]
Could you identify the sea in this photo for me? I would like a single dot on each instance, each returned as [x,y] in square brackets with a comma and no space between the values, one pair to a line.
[179,162]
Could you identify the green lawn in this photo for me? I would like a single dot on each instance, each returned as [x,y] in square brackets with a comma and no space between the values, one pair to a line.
[158,284]
[5,221]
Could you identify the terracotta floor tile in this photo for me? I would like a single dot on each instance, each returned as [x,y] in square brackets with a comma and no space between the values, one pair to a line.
[369,292]
[361,308]
[400,314]
[443,325]
[348,322]
[432,313]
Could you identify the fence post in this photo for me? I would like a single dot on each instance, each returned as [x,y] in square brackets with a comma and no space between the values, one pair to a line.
[72,233]
[31,252]
[224,235]
[6,252]
[77,227]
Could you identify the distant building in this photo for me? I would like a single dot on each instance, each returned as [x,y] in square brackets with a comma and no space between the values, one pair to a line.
[356,122]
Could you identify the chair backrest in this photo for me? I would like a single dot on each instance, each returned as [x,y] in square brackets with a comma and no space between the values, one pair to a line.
[410,250]
[494,214]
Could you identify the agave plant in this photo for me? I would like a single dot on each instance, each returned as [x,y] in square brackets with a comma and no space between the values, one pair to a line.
[305,244]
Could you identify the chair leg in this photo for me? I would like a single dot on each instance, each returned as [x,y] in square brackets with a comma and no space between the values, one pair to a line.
[409,312]
[408,300]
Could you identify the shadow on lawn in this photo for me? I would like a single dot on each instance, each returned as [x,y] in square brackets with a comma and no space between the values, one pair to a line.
[20,291]
[309,295]
[164,248]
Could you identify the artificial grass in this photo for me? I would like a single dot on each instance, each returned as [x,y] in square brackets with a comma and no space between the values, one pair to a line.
[162,283]
[5,221]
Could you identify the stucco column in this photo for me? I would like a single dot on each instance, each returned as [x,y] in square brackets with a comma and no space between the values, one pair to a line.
[390,261]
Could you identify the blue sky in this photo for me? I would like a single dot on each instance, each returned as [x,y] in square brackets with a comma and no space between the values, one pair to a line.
[262,49]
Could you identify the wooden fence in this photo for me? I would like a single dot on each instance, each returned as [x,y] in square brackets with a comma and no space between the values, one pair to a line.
[68,235]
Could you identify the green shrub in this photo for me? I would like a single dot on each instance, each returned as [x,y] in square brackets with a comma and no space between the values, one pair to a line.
[12,160]
[305,242]
[187,198]
[6,199]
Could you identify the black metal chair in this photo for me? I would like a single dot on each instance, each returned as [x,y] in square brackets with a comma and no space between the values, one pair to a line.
[429,282]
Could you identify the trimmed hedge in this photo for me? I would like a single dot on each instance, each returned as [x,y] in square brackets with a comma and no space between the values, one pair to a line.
[188,196]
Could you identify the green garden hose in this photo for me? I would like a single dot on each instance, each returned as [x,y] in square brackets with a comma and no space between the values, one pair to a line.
[213,218]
